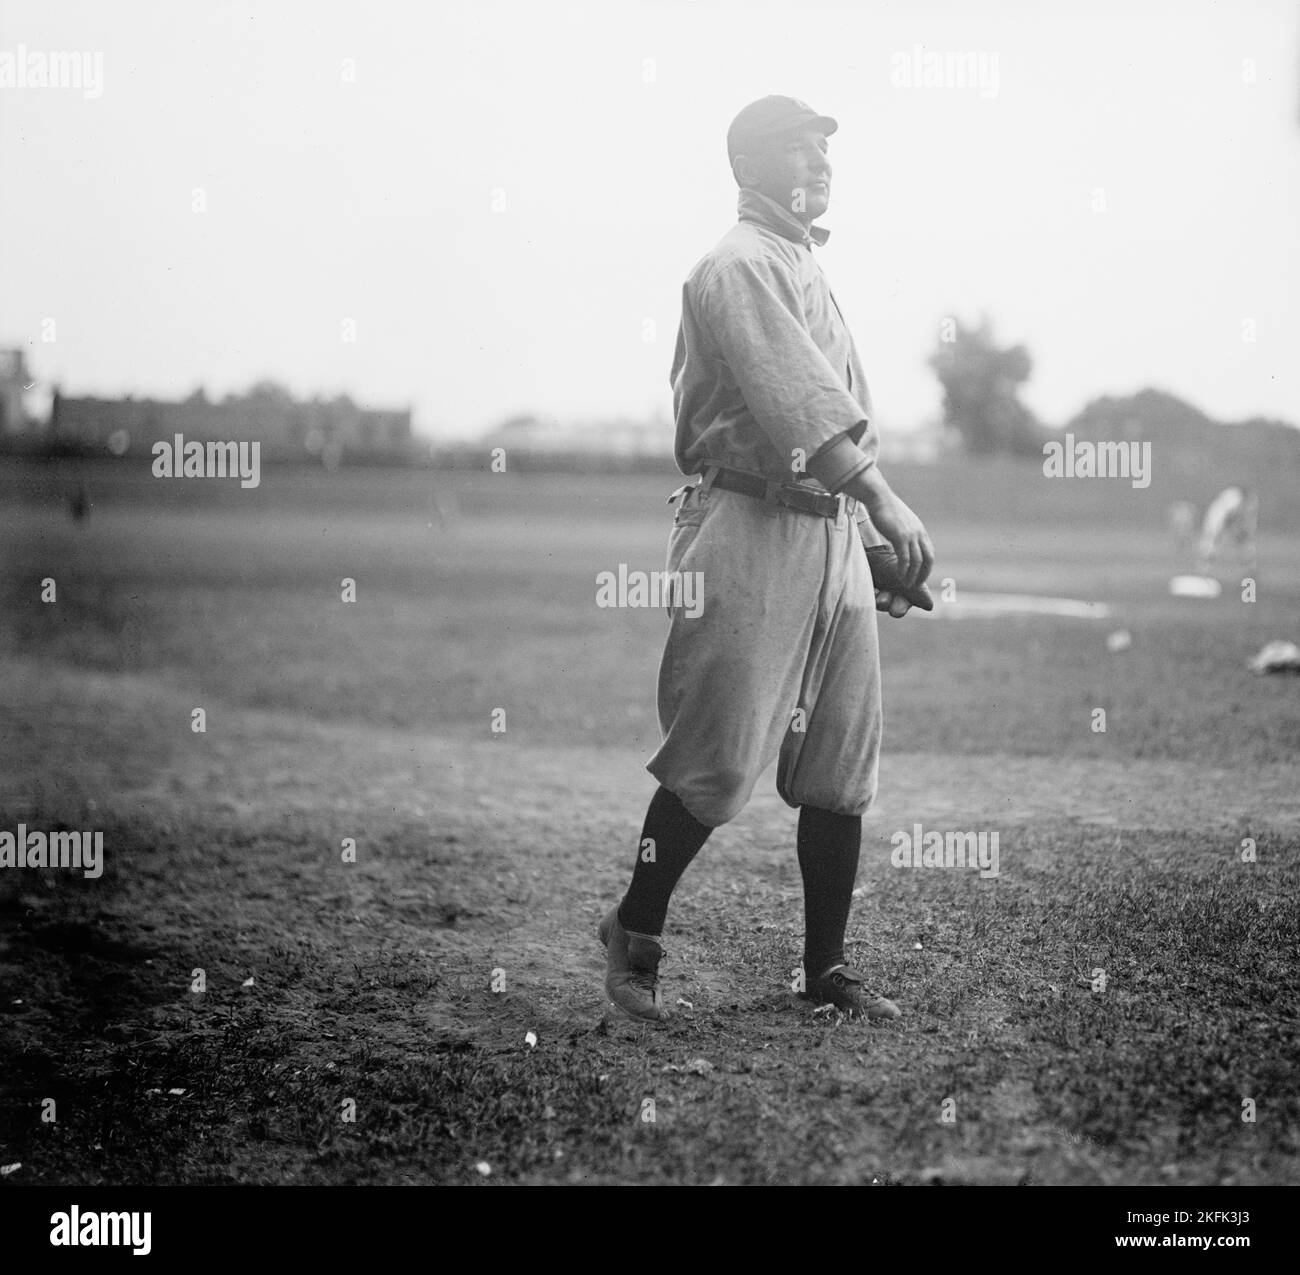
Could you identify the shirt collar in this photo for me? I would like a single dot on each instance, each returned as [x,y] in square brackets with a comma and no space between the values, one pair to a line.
[766,212]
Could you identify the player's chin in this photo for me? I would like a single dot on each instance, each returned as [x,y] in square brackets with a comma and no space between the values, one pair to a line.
[819,200]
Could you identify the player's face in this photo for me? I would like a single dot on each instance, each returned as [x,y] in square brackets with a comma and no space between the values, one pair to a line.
[796,173]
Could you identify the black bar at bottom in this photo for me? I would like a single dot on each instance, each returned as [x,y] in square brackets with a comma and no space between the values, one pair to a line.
[360,1223]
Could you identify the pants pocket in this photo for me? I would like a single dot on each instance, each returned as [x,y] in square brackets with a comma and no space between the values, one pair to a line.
[680,593]
[690,512]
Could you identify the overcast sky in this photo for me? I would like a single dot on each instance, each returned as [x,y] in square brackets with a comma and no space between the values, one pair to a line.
[504,198]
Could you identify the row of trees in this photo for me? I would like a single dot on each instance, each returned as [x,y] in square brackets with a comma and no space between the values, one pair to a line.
[981,385]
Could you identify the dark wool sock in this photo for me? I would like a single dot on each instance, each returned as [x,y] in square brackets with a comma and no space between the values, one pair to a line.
[677,836]
[828,859]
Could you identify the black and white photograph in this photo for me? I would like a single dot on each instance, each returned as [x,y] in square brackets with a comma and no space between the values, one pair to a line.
[663,593]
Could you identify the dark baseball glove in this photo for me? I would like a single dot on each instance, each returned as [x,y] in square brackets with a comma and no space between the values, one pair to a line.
[886,574]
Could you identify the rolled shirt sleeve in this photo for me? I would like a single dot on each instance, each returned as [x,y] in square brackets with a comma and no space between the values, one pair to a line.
[838,462]
[753,309]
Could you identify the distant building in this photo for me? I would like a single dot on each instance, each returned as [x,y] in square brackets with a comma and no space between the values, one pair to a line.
[286,428]
[617,436]
[655,437]
[14,380]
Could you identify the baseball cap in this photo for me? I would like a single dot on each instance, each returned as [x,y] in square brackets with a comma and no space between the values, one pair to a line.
[770,117]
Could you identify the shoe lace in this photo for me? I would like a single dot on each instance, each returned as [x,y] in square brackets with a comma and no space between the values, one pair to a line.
[845,975]
[646,977]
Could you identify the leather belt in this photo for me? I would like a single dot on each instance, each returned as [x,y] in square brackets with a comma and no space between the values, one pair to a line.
[794,496]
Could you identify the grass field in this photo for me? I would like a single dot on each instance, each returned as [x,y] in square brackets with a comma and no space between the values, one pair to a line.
[487,856]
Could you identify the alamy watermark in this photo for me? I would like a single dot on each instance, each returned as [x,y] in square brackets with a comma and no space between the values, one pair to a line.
[24,68]
[921,849]
[98,1229]
[924,68]
[1084,459]
[179,459]
[626,588]
[35,849]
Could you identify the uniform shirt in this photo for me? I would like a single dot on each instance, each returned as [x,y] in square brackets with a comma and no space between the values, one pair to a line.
[764,362]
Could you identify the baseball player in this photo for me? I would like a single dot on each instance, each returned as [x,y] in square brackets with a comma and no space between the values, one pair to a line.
[781,662]
[1231,519]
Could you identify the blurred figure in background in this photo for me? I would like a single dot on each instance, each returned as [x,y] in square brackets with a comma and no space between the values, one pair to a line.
[1230,521]
[1182,524]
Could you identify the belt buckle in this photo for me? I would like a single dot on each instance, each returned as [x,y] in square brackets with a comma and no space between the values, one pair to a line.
[795,497]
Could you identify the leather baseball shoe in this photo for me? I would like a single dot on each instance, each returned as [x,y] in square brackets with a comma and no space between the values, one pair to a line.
[632,970]
[847,989]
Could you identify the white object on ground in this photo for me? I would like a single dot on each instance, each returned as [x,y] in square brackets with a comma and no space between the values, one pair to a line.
[1195,587]
[1277,657]
[991,605]
[1120,640]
